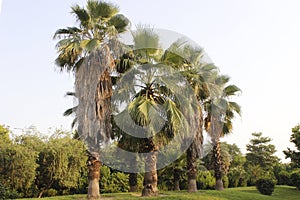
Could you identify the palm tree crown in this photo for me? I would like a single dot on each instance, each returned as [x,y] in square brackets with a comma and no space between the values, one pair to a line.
[98,23]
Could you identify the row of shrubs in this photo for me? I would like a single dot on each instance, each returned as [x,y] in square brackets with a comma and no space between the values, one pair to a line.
[266,185]
[112,182]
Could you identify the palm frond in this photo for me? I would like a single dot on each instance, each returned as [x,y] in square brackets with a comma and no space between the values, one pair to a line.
[91,45]
[72,94]
[231,90]
[66,32]
[99,9]
[120,22]
[236,107]
[74,122]
[70,111]
[82,16]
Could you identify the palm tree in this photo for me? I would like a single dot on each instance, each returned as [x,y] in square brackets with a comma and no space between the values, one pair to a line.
[199,74]
[152,103]
[85,51]
[154,108]
[218,122]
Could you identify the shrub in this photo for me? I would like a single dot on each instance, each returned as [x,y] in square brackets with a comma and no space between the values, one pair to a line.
[2,192]
[283,178]
[5,193]
[295,179]
[265,186]
[112,182]
[51,193]
[225,181]
[205,180]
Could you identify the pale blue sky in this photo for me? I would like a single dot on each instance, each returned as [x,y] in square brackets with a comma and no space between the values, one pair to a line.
[256,42]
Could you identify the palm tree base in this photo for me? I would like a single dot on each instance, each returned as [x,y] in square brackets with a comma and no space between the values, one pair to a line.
[192,185]
[93,190]
[219,185]
[148,190]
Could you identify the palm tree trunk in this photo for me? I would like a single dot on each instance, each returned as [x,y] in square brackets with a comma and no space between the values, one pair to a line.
[192,168]
[93,91]
[94,177]
[133,187]
[150,176]
[176,179]
[133,184]
[195,150]
[218,164]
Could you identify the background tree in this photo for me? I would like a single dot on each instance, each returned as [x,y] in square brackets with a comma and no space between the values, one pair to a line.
[294,155]
[237,175]
[260,157]
[17,165]
[221,111]
[85,51]
[4,134]
[60,163]
[154,94]
[188,60]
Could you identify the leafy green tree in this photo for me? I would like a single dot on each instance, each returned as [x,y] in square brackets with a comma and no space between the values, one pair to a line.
[294,155]
[60,163]
[85,50]
[237,175]
[172,176]
[220,112]
[261,152]
[4,134]
[18,167]
[260,157]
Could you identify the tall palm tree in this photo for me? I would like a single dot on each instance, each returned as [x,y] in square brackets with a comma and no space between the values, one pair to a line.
[218,122]
[151,102]
[199,74]
[85,50]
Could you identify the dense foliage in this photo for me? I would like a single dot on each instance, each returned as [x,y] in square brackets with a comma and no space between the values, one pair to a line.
[294,155]
[265,186]
[33,165]
[260,158]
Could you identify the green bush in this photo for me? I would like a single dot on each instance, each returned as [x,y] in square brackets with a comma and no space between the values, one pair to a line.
[225,181]
[5,193]
[51,193]
[112,182]
[295,179]
[283,178]
[2,191]
[265,186]
[205,180]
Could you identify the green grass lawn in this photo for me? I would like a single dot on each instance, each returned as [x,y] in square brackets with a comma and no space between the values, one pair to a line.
[245,193]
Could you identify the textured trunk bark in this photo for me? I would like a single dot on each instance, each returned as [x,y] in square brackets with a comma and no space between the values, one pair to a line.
[218,165]
[150,177]
[94,176]
[93,88]
[133,182]
[192,168]
[176,179]
[195,149]
[93,189]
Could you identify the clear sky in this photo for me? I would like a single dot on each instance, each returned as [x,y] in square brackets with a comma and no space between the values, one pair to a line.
[256,42]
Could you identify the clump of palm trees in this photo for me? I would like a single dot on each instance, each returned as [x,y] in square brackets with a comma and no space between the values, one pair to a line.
[166,95]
